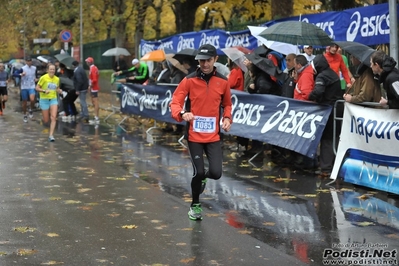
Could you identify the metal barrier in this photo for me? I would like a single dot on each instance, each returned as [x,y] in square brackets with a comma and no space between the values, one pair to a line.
[115,106]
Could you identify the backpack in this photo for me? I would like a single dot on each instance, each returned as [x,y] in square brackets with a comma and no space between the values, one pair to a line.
[282,65]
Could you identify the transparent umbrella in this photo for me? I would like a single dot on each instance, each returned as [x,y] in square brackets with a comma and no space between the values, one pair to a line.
[117,51]
[236,56]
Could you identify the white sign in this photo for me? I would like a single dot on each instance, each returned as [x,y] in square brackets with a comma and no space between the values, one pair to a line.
[65,46]
[366,153]
[42,40]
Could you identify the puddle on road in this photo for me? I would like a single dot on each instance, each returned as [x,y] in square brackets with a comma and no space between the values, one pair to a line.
[297,213]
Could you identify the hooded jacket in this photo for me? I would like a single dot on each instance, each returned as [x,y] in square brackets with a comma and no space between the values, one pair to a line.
[366,88]
[390,81]
[327,88]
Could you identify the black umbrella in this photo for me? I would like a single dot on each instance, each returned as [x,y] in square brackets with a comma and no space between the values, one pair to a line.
[298,33]
[358,50]
[188,54]
[66,83]
[266,65]
[261,50]
[65,59]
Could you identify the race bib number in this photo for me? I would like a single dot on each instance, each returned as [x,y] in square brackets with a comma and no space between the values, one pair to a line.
[3,83]
[52,86]
[204,124]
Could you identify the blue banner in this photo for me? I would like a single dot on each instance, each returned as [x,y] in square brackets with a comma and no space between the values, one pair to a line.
[367,25]
[218,38]
[284,122]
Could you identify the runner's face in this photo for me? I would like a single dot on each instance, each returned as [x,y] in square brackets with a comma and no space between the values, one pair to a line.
[51,70]
[207,65]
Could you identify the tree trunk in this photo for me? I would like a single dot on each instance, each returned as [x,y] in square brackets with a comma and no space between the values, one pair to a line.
[141,9]
[185,14]
[282,8]
[120,23]
[158,11]
[343,4]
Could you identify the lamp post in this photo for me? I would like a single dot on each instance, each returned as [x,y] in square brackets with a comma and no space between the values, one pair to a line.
[81,31]
[23,32]
[44,33]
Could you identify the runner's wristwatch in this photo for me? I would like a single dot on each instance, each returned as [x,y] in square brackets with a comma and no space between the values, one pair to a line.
[182,112]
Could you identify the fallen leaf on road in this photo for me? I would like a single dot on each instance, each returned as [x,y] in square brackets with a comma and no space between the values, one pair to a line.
[52,235]
[52,262]
[82,190]
[26,252]
[54,198]
[188,260]
[310,195]
[24,229]
[132,226]
[72,201]
[394,236]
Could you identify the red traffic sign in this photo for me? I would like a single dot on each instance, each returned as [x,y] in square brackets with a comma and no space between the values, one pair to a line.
[66,35]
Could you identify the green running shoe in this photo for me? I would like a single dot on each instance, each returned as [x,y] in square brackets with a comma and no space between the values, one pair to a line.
[195,212]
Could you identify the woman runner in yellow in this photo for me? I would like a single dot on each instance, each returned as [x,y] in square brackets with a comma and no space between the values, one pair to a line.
[48,86]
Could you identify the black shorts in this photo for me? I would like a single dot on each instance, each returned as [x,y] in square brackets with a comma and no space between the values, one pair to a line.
[3,91]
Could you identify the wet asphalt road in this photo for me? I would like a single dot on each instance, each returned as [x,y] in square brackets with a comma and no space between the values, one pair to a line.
[100,196]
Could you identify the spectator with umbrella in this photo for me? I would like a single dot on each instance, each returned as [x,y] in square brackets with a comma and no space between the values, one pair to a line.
[262,84]
[164,75]
[366,88]
[120,64]
[68,95]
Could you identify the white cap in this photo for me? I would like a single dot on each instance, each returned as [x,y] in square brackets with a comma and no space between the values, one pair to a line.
[135,61]
[306,46]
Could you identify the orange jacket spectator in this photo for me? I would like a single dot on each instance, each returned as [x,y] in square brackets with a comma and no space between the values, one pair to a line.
[336,63]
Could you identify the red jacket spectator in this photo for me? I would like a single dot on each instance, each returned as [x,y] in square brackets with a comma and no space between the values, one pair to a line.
[305,84]
[236,79]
